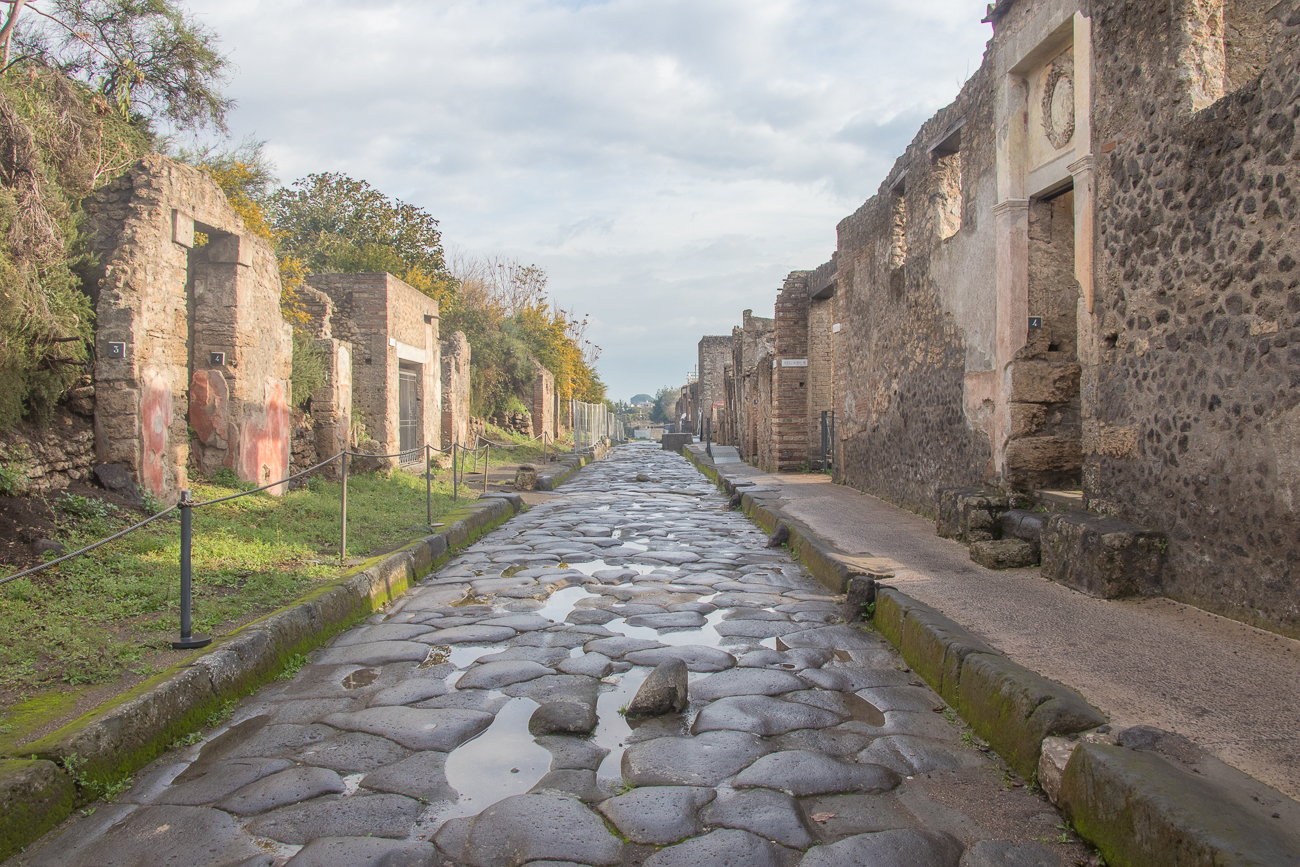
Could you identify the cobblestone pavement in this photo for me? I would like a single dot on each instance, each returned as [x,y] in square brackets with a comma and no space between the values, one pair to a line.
[479,720]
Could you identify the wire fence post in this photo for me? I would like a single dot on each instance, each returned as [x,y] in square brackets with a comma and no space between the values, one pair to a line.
[343,512]
[487,453]
[428,485]
[188,640]
[455,491]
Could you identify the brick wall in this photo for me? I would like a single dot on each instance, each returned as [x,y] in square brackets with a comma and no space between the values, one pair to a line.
[790,376]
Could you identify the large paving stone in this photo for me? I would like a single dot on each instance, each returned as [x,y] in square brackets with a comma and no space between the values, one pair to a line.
[496,675]
[583,616]
[547,656]
[409,691]
[837,741]
[757,628]
[668,620]
[470,634]
[762,715]
[358,816]
[766,812]
[572,753]
[910,755]
[589,664]
[854,678]
[519,622]
[745,681]
[421,776]
[722,848]
[352,753]
[221,779]
[803,772]
[697,657]
[705,760]
[441,730]
[255,739]
[619,645]
[658,814]
[364,852]
[840,816]
[278,790]
[376,653]
[165,836]
[526,828]
[902,848]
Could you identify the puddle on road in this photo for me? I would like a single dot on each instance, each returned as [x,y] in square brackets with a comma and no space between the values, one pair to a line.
[360,678]
[561,602]
[502,762]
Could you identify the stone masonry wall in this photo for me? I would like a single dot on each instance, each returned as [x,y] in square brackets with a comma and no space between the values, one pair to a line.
[171,304]
[1195,428]
[714,352]
[455,389]
[790,376]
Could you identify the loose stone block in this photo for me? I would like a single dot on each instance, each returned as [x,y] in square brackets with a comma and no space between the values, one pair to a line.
[1003,554]
[969,514]
[663,692]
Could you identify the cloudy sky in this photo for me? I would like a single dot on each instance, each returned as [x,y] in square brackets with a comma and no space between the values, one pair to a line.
[666,161]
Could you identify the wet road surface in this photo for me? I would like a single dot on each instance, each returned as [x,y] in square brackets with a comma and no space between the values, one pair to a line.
[479,720]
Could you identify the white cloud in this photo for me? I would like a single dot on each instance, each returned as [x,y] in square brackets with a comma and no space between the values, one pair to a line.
[667,161]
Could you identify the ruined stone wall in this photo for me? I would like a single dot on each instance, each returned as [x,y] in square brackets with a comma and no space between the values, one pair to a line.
[821,372]
[714,352]
[750,340]
[790,376]
[543,408]
[761,383]
[50,457]
[391,326]
[1195,424]
[455,389]
[170,304]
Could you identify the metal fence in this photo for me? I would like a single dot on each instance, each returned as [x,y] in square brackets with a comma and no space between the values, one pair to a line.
[593,422]
[461,456]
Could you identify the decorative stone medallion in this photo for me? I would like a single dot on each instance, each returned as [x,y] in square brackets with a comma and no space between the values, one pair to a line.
[1058,101]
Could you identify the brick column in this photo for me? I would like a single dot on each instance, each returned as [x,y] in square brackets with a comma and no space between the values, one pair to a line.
[790,375]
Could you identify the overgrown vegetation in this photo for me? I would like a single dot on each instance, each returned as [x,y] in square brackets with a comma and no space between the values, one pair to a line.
[112,611]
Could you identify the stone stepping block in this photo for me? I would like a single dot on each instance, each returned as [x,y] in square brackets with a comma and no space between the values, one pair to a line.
[530,828]
[418,729]
[421,776]
[745,681]
[762,715]
[911,755]
[358,816]
[364,852]
[469,634]
[377,653]
[618,646]
[723,847]
[675,620]
[705,760]
[898,848]
[187,835]
[221,779]
[497,675]
[589,664]
[569,753]
[766,812]
[698,657]
[352,753]
[415,689]
[757,628]
[278,790]
[803,773]
[658,815]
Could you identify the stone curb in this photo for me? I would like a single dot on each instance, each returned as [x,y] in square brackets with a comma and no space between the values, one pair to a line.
[114,740]
[551,475]
[1136,807]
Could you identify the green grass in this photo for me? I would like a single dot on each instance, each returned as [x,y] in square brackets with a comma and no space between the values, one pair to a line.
[107,613]
[519,451]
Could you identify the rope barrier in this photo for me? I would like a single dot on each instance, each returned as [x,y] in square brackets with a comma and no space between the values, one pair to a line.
[89,547]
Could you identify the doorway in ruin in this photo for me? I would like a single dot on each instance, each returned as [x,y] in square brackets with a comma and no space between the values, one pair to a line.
[1045,451]
[211,299]
[409,423]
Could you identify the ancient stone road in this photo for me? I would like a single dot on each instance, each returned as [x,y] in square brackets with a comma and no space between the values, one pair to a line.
[477,721]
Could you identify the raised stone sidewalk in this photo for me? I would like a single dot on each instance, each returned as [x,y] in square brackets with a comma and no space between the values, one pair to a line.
[1205,704]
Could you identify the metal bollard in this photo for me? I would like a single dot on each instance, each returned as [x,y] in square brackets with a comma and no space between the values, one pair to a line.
[343,512]
[455,492]
[428,485]
[188,640]
[487,453]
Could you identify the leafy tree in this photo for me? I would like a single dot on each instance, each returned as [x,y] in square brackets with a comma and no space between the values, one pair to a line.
[146,57]
[665,407]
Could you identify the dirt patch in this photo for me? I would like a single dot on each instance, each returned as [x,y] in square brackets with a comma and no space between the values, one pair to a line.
[27,521]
